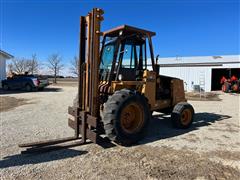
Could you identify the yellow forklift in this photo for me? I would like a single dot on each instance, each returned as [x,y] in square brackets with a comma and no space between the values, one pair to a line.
[119,86]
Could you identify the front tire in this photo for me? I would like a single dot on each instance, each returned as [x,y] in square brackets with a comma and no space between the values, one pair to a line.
[5,87]
[182,115]
[125,117]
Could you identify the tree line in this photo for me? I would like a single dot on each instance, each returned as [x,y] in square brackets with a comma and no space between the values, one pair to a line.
[32,65]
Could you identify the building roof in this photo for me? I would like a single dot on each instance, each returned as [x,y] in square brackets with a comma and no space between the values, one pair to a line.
[6,55]
[129,29]
[199,61]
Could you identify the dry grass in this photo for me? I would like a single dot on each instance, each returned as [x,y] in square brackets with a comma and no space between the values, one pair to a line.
[207,96]
[65,82]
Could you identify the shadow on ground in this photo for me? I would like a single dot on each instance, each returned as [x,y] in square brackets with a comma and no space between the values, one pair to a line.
[48,89]
[160,126]
[25,159]
[48,153]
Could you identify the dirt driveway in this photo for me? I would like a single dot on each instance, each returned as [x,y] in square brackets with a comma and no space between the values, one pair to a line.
[210,149]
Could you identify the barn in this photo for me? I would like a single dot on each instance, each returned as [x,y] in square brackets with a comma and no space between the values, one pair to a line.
[3,57]
[201,72]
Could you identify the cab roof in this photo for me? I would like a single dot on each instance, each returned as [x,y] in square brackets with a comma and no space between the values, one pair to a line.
[128,30]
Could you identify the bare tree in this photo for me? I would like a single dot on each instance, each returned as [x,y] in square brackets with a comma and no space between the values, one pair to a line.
[54,65]
[33,65]
[74,66]
[10,68]
[23,65]
[19,65]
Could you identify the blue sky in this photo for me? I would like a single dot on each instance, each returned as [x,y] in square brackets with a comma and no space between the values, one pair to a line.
[184,27]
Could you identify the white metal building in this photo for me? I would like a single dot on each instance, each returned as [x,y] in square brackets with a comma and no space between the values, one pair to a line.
[202,72]
[3,57]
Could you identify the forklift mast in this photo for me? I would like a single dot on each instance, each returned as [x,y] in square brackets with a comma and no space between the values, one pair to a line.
[89,60]
[83,119]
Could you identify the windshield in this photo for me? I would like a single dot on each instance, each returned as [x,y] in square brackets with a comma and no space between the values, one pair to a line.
[107,56]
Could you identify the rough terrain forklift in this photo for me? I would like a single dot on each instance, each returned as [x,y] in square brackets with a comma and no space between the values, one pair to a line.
[119,86]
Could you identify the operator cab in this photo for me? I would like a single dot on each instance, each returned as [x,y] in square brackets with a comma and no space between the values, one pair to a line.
[124,54]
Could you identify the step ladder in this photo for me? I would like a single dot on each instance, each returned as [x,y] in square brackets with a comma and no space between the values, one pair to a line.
[202,84]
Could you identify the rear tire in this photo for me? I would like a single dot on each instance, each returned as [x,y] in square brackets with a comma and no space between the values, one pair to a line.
[125,117]
[28,87]
[235,87]
[182,115]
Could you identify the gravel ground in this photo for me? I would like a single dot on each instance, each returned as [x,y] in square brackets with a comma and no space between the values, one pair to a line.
[210,149]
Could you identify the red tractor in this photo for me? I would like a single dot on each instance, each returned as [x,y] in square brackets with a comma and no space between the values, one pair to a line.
[230,85]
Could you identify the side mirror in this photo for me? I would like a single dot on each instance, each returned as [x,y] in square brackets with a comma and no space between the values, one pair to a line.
[157,66]
[157,58]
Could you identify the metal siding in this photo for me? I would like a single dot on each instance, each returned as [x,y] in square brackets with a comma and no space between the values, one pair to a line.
[209,79]
[190,75]
[2,69]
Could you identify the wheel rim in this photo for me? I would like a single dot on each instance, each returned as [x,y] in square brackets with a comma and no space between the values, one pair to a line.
[186,116]
[132,118]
